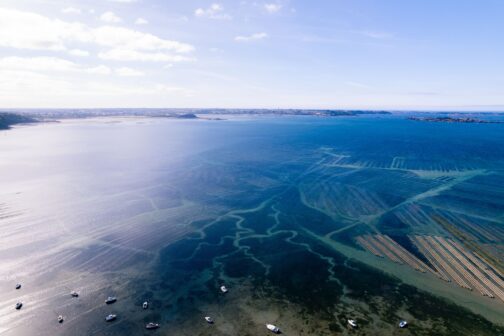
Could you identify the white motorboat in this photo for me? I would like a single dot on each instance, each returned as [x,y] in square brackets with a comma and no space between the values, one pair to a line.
[223,289]
[19,305]
[74,294]
[352,323]
[152,325]
[18,286]
[403,324]
[111,299]
[60,319]
[145,305]
[209,319]
[110,317]
[273,328]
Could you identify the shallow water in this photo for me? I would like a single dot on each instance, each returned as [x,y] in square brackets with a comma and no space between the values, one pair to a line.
[168,210]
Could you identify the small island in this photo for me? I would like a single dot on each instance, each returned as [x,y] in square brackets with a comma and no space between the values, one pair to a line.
[186,116]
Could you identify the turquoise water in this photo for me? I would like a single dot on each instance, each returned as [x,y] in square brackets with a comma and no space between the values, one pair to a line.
[169,210]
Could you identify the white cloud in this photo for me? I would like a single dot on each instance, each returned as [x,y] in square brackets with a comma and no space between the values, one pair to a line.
[272,7]
[69,80]
[131,39]
[256,36]
[128,72]
[37,64]
[99,70]
[134,55]
[71,10]
[215,11]
[141,21]
[110,17]
[78,52]
[48,64]
[25,30]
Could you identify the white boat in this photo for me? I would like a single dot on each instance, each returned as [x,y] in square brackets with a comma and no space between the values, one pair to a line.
[74,294]
[145,305]
[403,324]
[152,325]
[110,317]
[19,305]
[209,319]
[223,289]
[352,323]
[111,299]
[18,286]
[273,328]
[60,319]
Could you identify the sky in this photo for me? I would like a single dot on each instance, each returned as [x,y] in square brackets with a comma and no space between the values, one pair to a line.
[333,54]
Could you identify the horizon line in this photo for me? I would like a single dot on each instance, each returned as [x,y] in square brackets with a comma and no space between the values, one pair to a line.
[427,110]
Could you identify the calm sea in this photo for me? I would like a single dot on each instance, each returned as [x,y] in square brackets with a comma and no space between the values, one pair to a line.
[167,211]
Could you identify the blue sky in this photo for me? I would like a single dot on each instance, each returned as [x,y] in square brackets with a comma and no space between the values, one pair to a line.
[374,54]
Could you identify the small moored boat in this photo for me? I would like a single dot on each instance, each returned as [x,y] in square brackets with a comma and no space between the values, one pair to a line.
[60,319]
[145,305]
[209,319]
[152,325]
[111,299]
[110,317]
[19,305]
[74,294]
[403,324]
[273,328]
[352,323]
[18,286]
[223,289]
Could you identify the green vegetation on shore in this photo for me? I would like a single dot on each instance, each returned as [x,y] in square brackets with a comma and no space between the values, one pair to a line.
[8,119]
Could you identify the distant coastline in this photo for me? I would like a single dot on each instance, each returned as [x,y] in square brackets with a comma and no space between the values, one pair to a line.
[467,120]
[12,117]
[180,113]
[9,118]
